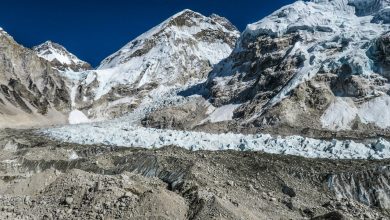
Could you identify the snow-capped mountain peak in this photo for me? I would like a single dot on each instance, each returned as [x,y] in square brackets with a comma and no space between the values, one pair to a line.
[184,47]
[184,24]
[180,50]
[60,57]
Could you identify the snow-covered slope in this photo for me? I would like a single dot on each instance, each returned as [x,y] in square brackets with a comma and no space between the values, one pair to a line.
[181,50]
[186,28]
[60,58]
[288,68]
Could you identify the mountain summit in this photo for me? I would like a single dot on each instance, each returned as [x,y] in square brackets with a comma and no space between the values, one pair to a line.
[186,27]
[60,57]
[182,49]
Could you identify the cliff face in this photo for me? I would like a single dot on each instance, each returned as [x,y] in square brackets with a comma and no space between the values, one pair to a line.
[312,64]
[32,93]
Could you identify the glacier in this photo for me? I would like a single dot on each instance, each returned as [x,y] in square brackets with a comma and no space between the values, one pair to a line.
[122,134]
[322,24]
[126,132]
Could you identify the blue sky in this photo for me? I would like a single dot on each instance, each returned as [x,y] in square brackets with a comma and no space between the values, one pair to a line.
[93,29]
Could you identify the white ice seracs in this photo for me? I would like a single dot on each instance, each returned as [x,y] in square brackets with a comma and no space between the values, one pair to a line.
[118,133]
[323,24]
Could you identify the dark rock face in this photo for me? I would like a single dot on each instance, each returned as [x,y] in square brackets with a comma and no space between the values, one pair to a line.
[380,52]
[288,191]
[257,71]
[29,86]
[364,8]
[331,216]
[290,77]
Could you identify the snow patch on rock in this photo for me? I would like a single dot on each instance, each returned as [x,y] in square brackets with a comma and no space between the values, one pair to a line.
[376,111]
[73,155]
[339,114]
[343,111]
[223,113]
[77,117]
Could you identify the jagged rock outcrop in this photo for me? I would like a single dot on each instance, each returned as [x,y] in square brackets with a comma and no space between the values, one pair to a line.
[313,64]
[31,92]
[60,58]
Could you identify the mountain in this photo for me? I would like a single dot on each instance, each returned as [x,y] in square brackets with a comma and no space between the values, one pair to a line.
[60,58]
[32,92]
[50,85]
[317,64]
[179,51]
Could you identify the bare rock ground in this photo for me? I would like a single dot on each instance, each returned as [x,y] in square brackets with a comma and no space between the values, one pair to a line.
[44,179]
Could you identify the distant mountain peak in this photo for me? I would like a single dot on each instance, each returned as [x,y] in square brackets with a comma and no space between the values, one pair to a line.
[60,57]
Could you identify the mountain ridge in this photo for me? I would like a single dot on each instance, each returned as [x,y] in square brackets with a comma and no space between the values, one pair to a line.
[180,50]
[109,92]
[32,93]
